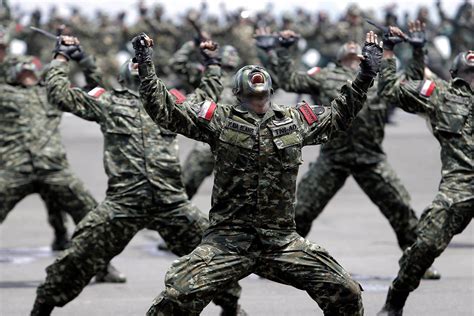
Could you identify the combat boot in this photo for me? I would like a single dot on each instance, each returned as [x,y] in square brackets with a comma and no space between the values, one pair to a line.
[110,275]
[61,242]
[431,274]
[236,310]
[394,303]
[40,308]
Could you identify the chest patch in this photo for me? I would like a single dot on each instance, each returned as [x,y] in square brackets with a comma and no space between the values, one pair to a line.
[284,130]
[239,127]
[308,114]
[123,101]
[180,98]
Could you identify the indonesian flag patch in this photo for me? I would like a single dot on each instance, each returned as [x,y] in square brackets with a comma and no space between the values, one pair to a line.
[308,113]
[313,71]
[96,92]
[207,110]
[427,88]
[180,98]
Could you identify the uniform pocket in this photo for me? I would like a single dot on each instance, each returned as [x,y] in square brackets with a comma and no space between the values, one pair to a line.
[289,150]
[121,120]
[451,117]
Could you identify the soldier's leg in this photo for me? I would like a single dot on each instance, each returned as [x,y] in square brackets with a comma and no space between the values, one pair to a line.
[193,280]
[198,166]
[99,237]
[384,188]
[309,267]
[182,226]
[316,188]
[14,186]
[438,225]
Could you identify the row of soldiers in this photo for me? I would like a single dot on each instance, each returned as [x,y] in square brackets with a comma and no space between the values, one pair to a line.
[255,150]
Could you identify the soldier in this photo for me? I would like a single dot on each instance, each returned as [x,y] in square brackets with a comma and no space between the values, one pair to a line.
[357,151]
[200,162]
[257,149]
[144,188]
[448,107]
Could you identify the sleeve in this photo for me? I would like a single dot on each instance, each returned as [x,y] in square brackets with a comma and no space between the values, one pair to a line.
[320,123]
[74,100]
[191,118]
[293,81]
[181,63]
[415,69]
[410,95]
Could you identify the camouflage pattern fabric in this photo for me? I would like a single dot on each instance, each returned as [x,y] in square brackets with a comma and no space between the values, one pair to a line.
[448,108]
[33,159]
[357,152]
[252,214]
[145,189]
[199,165]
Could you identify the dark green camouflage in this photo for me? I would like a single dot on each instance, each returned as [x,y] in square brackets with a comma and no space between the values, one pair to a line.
[252,214]
[448,107]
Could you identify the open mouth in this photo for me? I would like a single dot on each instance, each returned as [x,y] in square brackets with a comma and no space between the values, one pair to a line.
[470,57]
[257,78]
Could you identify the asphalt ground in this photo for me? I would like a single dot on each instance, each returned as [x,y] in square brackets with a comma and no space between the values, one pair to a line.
[351,228]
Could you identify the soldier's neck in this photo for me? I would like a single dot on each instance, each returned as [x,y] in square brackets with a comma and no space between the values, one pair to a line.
[257,105]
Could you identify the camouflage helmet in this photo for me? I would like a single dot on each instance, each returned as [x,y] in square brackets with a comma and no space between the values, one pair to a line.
[349,48]
[462,63]
[354,10]
[128,76]
[229,57]
[252,80]
[25,63]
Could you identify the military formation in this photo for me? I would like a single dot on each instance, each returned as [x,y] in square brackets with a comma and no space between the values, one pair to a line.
[213,81]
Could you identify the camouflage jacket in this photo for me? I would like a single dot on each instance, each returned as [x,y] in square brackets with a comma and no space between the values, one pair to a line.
[257,158]
[140,159]
[5,67]
[29,130]
[362,142]
[448,107]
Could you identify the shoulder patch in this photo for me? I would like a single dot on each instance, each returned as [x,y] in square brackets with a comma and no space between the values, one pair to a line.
[180,98]
[308,113]
[427,87]
[96,92]
[313,71]
[207,110]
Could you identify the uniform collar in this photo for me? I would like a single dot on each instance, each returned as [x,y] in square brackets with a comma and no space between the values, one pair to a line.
[462,84]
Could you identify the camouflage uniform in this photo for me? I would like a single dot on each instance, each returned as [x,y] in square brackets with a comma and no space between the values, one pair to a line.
[357,152]
[144,187]
[33,159]
[448,108]
[252,226]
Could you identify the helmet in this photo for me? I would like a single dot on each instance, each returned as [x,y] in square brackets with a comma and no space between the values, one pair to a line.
[229,57]
[128,76]
[349,48]
[252,80]
[462,63]
[25,63]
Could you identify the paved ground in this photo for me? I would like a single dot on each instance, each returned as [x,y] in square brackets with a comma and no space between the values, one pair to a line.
[351,228]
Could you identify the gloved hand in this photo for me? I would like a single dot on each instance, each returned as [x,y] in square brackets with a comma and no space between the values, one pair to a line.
[264,39]
[69,47]
[371,56]
[210,53]
[142,44]
[393,37]
[288,38]
[416,34]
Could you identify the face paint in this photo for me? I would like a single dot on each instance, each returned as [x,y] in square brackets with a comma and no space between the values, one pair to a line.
[252,81]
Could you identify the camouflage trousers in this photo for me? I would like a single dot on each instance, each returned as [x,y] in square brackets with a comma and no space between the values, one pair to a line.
[61,191]
[325,177]
[107,230]
[439,223]
[225,257]
[198,166]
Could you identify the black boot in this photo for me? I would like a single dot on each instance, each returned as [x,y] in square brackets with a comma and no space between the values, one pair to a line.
[40,308]
[233,311]
[110,275]
[61,242]
[394,304]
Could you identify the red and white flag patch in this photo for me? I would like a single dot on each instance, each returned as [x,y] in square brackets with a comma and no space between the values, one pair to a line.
[96,92]
[207,110]
[308,113]
[427,88]
[313,71]
[180,98]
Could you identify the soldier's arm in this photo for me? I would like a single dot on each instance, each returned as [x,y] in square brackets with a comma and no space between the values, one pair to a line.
[180,62]
[73,100]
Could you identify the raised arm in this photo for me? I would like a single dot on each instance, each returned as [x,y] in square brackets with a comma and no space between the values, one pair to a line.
[59,89]
[320,122]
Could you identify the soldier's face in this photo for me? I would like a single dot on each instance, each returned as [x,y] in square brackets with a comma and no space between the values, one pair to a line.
[351,61]
[27,78]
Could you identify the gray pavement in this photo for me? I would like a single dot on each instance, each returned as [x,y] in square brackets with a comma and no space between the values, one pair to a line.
[351,228]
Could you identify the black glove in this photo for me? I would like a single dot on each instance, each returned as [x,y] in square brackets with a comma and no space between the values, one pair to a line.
[211,57]
[370,65]
[143,52]
[266,42]
[74,52]
[417,39]
[287,41]
[389,40]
